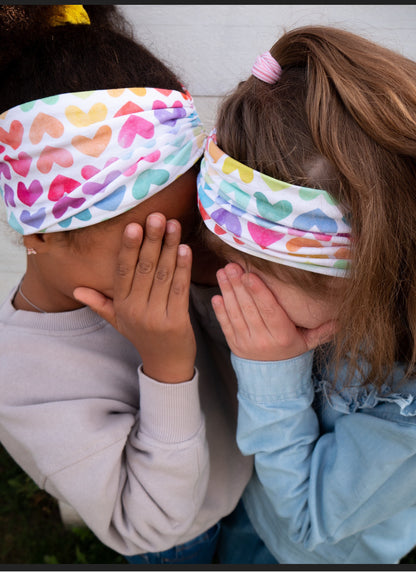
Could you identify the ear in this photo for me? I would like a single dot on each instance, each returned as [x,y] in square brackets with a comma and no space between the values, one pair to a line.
[42,242]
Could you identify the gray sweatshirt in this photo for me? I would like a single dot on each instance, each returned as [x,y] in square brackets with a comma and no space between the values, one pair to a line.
[146,465]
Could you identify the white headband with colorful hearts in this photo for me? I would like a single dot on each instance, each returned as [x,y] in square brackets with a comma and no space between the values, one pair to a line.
[267,218]
[76,159]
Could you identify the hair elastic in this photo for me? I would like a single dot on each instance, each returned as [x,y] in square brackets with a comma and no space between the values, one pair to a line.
[69,14]
[266,68]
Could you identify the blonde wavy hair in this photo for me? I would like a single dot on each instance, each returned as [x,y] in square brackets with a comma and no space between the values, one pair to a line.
[342,117]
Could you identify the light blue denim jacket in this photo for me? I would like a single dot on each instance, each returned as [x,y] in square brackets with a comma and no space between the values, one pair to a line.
[335,473]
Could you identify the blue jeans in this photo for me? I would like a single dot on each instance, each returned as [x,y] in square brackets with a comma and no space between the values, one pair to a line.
[197,551]
[239,543]
[233,540]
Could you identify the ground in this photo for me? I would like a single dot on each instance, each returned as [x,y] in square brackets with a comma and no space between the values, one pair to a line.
[31,530]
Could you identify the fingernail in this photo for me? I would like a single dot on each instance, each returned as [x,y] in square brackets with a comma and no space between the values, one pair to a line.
[182,250]
[154,221]
[231,272]
[170,227]
[131,230]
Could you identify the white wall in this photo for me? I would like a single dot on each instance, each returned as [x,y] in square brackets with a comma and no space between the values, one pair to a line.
[212,47]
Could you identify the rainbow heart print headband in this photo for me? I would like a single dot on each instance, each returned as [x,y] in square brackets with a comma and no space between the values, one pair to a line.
[76,159]
[267,218]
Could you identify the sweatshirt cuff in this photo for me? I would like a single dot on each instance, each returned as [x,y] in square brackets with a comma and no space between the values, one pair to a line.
[281,380]
[169,413]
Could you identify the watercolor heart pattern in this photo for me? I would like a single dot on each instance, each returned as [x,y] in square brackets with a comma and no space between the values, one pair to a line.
[51,155]
[66,202]
[228,221]
[29,195]
[316,219]
[246,174]
[21,165]
[60,186]
[79,118]
[92,188]
[57,154]
[13,137]
[269,218]
[168,116]
[8,196]
[135,125]
[273,212]
[5,171]
[113,201]
[148,178]
[263,237]
[95,145]
[35,219]
[45,123]
[128,108]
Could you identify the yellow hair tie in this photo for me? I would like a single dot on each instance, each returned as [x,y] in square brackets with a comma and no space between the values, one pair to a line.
[69,14]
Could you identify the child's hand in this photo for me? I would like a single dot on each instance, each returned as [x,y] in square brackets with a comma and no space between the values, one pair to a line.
[255,325]
[151,296]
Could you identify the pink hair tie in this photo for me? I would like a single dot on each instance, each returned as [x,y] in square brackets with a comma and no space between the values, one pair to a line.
[266,68]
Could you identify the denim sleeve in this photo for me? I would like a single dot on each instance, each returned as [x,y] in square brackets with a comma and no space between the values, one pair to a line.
[321,487]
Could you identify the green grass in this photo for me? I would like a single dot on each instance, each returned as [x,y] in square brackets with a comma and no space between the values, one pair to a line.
[31,530]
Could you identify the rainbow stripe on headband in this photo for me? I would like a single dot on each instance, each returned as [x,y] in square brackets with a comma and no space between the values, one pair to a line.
[267,218]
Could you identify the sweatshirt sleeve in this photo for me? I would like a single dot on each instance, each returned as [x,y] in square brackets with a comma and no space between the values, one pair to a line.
[320,487]
[139,491]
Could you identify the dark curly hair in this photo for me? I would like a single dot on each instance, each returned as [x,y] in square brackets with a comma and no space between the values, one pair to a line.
[38,60]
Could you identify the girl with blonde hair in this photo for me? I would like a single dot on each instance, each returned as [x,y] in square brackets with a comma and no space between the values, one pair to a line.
[308,189]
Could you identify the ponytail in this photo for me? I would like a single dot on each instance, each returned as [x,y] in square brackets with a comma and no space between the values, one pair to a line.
[342,117]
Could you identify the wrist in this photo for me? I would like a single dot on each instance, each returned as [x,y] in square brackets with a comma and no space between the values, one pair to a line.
[279,379]
[165,375]
[169,412]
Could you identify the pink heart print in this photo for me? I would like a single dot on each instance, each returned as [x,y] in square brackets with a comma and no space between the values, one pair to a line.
[128,109]
[60,186]
[135,126]
[5,170]
[77,159]
[21,165]
[51,155]
[263,237]
[13,137]
[151,158]
[29,195]
[89,171]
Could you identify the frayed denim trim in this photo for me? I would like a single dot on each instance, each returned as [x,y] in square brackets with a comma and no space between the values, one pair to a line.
[349,400]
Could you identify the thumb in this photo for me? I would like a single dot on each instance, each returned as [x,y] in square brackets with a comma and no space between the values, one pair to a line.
[321,334]
[97,302]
